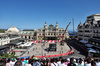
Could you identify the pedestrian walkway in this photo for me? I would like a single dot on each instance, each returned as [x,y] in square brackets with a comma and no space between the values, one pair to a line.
[40,49]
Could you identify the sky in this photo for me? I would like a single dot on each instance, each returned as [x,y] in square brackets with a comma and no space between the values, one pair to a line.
[32,14]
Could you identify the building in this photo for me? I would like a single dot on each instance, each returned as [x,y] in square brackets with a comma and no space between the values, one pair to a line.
[50,32]
[28,34]
[12,30]
[4,39]
[90,30]
[9,36]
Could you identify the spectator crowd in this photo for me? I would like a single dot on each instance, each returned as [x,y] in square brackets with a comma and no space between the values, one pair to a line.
[34,61]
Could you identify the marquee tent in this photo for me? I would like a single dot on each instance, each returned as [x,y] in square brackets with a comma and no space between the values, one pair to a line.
[89,45]
[83,41]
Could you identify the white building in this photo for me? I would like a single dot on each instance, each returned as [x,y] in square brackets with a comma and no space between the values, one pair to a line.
[90,30]
[50,32]
[4,39]
[10,35]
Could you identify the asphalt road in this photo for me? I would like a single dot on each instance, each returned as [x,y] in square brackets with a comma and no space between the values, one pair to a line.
[78,51]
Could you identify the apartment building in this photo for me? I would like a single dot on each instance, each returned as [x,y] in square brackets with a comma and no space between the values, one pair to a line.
[90,30]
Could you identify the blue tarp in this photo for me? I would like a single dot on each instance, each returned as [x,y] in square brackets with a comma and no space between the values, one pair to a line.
[24,57]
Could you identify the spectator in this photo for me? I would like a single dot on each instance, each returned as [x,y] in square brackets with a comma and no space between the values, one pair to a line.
[63,62]
[29,63]
[59,61]
[71,62]
[97,62]
[67,61]
[2,62]
[53,63]
[26,61]
[76,61]
[36,63]
[88,62]
[18,63]
[12,62]
[8,62]
[81,60]
[93,63]
[23,63]
[80,63]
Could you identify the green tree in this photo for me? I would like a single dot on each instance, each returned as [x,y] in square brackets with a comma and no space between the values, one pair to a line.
[2,31]
[6,55]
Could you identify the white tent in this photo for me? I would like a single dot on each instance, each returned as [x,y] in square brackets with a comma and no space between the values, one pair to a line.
[83,41]
[28,44]
[89,45]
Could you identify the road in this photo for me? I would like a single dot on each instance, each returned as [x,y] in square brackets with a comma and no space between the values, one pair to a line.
[41,49]
[78,51]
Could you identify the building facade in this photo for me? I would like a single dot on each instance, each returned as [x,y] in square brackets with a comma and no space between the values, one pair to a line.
[9,36]
[28,34]
[90,30]
[4,39]
[50,32]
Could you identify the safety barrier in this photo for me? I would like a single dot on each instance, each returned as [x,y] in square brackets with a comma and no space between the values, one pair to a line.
[83,49]
[48,41]
[56,55]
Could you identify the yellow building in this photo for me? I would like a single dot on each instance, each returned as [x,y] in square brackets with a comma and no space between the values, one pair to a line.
[50,32]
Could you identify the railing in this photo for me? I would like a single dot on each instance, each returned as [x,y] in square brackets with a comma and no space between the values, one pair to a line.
[83,49]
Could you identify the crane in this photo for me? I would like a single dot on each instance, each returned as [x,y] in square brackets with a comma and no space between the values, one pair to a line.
[64,32]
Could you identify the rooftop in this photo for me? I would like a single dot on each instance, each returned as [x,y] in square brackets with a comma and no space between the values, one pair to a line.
[93,15]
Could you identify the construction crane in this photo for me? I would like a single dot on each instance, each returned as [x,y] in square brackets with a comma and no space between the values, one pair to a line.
[64,32]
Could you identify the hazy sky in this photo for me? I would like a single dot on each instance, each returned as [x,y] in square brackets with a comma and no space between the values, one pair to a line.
[32,14]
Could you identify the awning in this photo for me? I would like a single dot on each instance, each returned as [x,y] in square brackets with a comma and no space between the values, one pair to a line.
[97,47]
[83,41]
[24,57]
[91,50]
[89,45]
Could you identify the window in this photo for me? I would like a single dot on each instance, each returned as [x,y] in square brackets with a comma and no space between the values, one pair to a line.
[25,37]
[48,33]
[29,37]
[62,30]
[59,30]
[97,31]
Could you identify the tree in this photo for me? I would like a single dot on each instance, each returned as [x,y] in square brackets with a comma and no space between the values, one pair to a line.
[6,55]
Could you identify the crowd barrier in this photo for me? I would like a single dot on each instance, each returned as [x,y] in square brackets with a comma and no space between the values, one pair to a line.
[83,49]
[56,55]
[48,41]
